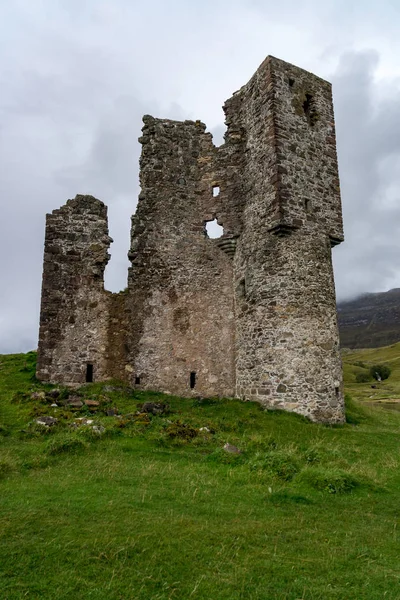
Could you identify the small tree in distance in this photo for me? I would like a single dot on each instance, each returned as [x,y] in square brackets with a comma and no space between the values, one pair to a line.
[363,377]
[380,372]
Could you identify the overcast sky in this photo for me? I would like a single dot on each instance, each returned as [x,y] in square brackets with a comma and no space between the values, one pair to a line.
[76,76]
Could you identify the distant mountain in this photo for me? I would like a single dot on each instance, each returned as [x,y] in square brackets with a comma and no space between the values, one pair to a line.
[370,321]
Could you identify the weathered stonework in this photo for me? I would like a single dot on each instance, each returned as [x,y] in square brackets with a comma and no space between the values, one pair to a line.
[251,314]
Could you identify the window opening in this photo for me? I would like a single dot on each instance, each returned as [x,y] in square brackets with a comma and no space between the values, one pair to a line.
[192,379]
[337,392]
[215,191]
[291,82]
[310,110]
[213,230]
[307,105]
[307,205]
[137,380]
[89,373]
[242,288]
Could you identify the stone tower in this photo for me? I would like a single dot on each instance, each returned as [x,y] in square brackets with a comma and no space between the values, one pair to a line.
[251,314]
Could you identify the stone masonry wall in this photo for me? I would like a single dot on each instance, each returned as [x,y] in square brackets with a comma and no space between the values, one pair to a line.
[287,338]
[251,314]
[75,307]
[180,282]
[118,331]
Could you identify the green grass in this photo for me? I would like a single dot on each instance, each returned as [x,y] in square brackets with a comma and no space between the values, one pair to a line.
[149,510]
[388,390]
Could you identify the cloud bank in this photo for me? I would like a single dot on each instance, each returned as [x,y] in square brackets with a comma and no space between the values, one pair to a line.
[76,78]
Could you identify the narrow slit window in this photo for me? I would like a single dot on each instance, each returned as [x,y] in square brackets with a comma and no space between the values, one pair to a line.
[310,110]
[215,191]
[137,380]
[337,392]
[307,205]
[307,104]
[89,373]
[192,379]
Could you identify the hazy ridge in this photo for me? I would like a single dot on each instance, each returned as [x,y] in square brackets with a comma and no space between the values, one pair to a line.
[371,320]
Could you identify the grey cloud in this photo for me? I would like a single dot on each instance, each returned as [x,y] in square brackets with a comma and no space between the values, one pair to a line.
[218,134]
[368,134]
[76,78]
[70,116]
[111,173]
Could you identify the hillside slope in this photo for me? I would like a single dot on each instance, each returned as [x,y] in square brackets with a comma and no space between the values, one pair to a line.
[370,321]
[152,507]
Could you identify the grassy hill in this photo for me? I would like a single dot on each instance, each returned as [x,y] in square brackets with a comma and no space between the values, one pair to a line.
[147,507]
[370,321]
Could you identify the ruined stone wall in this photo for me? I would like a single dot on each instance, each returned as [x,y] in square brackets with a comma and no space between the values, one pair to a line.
[75,307]
[180,282]
[287,339]
[305,141]
[118,332]
[250,314]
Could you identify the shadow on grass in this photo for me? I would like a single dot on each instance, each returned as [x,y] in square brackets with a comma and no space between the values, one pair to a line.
[287,498]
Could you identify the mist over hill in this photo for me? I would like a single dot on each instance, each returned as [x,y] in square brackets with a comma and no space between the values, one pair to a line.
[371,320]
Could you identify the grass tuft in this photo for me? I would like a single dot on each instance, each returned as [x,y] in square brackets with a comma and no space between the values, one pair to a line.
[221,457]
[67,443]
[6,467]
[332,481]
[355,412]
[279,464]
[184,431]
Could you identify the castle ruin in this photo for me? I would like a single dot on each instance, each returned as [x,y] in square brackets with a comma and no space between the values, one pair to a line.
[251,314]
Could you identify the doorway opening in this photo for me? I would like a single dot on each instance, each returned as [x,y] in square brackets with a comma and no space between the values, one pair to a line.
[192,379]
[89,373]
